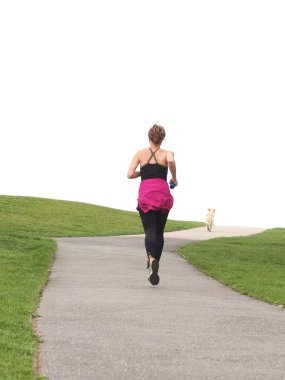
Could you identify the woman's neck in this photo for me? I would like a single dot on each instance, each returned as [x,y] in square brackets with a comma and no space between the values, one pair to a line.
[154,146]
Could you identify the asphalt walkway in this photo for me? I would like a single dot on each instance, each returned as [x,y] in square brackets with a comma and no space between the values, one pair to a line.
[100,319]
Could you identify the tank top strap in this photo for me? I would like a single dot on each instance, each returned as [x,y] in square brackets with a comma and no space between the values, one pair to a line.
[153,155]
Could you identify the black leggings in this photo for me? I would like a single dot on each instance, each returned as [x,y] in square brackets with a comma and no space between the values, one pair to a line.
[153,224]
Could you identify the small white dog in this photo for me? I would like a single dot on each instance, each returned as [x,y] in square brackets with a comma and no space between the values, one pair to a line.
[210,218]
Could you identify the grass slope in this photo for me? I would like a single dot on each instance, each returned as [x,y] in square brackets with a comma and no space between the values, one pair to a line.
[26,253]
[252,265]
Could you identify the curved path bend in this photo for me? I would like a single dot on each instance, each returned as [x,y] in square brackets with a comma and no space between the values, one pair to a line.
[100,319]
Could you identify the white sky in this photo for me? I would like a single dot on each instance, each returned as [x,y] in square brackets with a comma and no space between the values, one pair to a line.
[81,82]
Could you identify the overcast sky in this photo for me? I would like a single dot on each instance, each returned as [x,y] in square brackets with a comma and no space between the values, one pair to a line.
[81,82]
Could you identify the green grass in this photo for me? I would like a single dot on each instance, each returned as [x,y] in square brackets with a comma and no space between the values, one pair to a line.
[252,265]
[26,253]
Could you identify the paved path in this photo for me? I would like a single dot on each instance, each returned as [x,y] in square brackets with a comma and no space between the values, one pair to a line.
[102,320]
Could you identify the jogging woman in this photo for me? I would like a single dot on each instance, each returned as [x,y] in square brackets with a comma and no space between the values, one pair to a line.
[154,198]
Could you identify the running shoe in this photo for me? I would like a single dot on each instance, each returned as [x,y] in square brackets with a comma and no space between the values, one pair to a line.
[153,276]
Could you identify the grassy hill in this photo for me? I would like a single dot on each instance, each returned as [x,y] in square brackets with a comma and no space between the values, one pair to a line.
[26,253]
[252,265]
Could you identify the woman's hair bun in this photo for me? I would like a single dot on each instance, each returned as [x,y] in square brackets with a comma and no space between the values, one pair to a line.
[156,133]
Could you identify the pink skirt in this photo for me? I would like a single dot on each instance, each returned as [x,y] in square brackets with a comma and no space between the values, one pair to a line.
[154,194]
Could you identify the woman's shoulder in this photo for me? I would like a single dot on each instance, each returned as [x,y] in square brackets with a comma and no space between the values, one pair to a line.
[142,154]
[143,150]
[167,152]
[147,151]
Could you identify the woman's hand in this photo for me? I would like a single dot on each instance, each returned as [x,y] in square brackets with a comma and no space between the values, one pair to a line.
[174,180]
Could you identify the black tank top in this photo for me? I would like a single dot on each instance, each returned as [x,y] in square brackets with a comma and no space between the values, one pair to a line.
[153,170]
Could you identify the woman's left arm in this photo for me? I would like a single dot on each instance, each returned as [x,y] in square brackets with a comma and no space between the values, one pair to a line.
[132,172]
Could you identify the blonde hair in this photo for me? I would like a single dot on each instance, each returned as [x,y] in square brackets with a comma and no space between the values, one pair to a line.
[156,133]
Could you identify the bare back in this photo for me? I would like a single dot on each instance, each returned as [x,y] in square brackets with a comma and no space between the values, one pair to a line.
[145,156]
[162,157]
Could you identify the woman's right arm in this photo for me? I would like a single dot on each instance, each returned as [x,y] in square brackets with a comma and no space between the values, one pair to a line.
[132,172]
[172,167]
